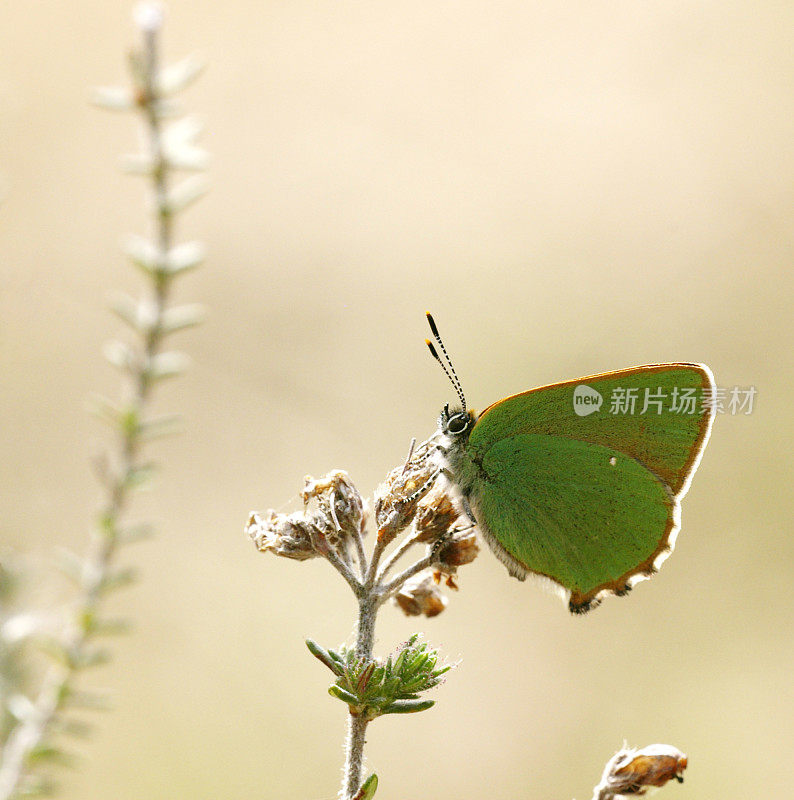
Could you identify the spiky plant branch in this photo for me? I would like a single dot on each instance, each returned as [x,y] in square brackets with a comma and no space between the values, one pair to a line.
[33,739]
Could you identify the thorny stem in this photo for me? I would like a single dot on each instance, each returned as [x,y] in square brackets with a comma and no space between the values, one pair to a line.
[30,732]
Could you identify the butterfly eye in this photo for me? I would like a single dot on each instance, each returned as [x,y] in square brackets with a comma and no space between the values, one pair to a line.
[457,423]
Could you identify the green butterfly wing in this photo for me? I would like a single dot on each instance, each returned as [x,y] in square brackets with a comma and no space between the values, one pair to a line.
[591,502]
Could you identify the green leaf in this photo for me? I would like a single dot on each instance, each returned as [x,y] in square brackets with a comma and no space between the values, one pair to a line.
[104,409]
[139,475]
[144,254]
[116,580]
[179,318]
[176,77]
[120,354]
[378,675]
[113,98]
[183,257]
[364,676]
[89,701]
[167,365]
[159,427]
[393,686]
[72,727]
[400,661]
[185,193]
[70,564]
[94,657]
[344,696]
[368,788]
[324,656]
[54,649]
[135,533]
[408,706]
[104,627]
[44,753]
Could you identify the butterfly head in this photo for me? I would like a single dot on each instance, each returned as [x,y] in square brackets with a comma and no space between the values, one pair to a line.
[456,422]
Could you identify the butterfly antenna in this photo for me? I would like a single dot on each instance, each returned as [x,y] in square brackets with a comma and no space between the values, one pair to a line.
[449,370]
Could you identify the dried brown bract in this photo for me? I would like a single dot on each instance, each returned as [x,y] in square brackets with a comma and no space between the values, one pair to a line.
[287,535]
[461,549]
[435,517]
[420,595]
[631,772]
[341,511]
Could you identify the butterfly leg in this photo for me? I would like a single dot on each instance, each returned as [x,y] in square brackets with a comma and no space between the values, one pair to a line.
[423,489]
[467,509]
[426,486]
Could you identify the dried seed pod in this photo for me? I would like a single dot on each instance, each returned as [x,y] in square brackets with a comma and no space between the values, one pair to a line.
[341,511]
[420,595]
[631,772]
[462,548]
[287,535]
[435,517]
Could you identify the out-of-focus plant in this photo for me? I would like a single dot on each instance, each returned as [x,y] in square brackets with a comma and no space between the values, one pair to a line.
[35,719]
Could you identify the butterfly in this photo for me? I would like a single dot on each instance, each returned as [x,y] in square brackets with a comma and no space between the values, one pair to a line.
[563,487]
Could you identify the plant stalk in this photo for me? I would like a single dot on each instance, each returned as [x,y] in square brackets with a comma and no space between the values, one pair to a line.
[31,732]
[357,723]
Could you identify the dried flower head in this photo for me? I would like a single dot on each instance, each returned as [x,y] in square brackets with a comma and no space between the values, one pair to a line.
[461,549]
[341,512]
[287,535]
[397,498]
[435,517]
[631,772]
[421,595]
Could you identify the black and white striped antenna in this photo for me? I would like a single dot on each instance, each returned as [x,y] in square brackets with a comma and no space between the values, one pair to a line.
[449,370]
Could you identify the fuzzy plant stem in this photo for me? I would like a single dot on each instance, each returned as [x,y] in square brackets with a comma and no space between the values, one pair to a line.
[357,723]
[31,732]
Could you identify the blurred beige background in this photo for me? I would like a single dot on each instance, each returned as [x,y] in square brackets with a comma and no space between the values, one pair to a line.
[570,187]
